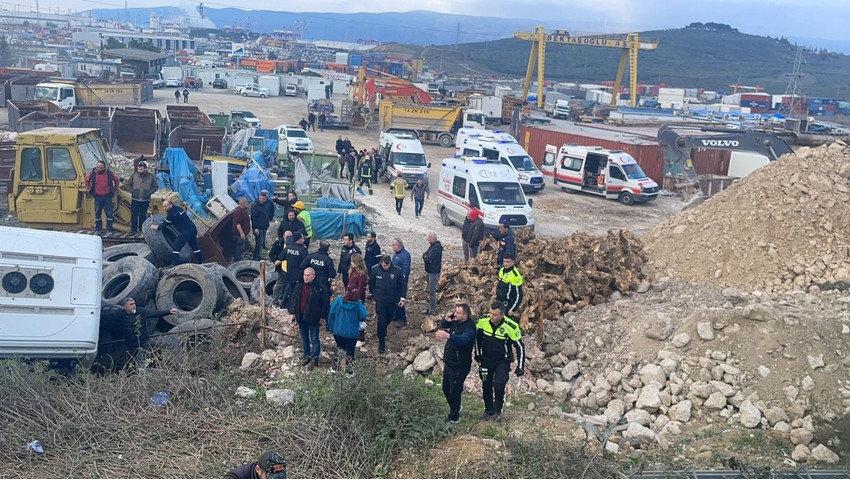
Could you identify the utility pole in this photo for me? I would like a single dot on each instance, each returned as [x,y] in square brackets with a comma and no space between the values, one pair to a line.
[457,37]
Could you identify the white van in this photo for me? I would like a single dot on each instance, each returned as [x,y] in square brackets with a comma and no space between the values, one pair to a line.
[613,174]
[486,184]
[290,90]
[498,145]
[50,295]
[403,153]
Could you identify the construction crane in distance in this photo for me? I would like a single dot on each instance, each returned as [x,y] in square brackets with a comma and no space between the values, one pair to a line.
[630,44]
[735,87]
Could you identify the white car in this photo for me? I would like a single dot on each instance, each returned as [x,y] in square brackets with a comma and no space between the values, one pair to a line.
[252,90]
[290,90]
[173,81]
[297,140]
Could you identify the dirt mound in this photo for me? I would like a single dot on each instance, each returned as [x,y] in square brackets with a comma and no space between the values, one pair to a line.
[559,275]
[783,227]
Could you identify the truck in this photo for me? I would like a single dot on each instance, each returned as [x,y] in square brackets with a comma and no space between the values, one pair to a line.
[559,108]
[70,94]
[403,155]
[427,123]
[490,105]
[51,295]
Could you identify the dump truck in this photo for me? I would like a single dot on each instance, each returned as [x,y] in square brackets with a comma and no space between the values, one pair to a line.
[137,131]
[17,109]
[429,124]
[70,94]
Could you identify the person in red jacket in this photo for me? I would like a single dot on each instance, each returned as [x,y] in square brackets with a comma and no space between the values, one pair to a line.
[102,184]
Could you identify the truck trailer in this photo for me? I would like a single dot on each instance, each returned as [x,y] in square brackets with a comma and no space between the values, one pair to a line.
[429,124]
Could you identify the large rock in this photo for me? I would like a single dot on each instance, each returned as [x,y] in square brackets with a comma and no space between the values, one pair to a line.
[822,453]
[801,436]
[424,361]
[775,415]
[715,402]
[245,392]
[680,412]
[638,416]
[705,331]
[571,370]
[249,360]
[800,453]
[750,415]
[652,373]
[650,398]
[637,435]
[681,340]
[660,326]
[734,296]
[280,397]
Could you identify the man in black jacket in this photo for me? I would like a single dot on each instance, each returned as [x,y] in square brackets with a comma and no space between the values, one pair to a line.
[322,264]
[373,251]
[496,334]
[262,213]
[187,232]
[270,465]
[459,331]
[433,259]
[348,249]
[133,325]
[388,289]
[294,255]
[291,223]
[309,304]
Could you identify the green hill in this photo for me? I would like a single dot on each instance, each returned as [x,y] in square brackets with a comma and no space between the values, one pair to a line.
[686,57]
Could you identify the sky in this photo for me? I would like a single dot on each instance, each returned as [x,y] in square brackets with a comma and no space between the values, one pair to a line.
[788,18]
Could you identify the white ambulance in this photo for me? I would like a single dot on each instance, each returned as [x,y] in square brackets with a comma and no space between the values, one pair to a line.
[403,153]
[50,295]
[613,174]
[501,146]
[490,186]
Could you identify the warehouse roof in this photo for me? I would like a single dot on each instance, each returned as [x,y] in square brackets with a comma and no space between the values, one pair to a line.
[134,54]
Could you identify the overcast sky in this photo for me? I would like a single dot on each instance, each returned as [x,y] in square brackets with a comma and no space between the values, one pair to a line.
[824,19]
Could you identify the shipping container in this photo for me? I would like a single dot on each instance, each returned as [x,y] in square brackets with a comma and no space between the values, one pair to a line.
[17,109]
[271,82]
[39,119]
[96,117]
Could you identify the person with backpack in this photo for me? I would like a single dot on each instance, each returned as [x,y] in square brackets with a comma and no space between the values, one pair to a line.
[185,96]
[101,184]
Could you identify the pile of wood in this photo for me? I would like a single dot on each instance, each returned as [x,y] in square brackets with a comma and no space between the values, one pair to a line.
[560,276]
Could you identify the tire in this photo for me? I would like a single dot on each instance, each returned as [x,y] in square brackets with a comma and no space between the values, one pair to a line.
[445,140]
[245,95]
[444,218]
[137,250]
[229,289]
[246,272]
[262,96]
[185,336]
[130,277]
[192,289]
[626,199]
[271,279]
[160,241]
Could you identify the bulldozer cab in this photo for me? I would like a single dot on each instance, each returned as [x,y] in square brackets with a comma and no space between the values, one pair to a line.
[51,165]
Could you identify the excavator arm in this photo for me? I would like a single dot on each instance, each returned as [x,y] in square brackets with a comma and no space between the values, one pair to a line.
[677,148]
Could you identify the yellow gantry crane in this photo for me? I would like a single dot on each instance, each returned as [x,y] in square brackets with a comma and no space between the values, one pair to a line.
[630,44]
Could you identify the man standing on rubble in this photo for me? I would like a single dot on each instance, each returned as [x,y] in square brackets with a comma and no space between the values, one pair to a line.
[509,286]
[101,183]
[433,259]
[472,233]
[388,289]
[187,232]
[496,334]
[459,332]
[142,185]
[348,249]
[373,251]
[240,227]
[310,304]
[507,241]
[262,213]
[401,260]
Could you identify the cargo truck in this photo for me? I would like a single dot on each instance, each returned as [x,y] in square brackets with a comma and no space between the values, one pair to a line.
[429,124]
[490,105]
[70,94]
[559,108]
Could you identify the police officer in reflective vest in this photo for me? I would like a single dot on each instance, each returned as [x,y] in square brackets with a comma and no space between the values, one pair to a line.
[495,335]
[509,287]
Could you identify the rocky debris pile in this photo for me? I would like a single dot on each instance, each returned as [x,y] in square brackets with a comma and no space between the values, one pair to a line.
[123,165]
[559,275]
[783,227]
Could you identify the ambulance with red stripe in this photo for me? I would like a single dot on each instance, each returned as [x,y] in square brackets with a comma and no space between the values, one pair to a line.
[486,184]
[403,153]
[613,174]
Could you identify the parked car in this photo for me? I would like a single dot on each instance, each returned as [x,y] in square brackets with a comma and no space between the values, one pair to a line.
[173,81]
[297,140]
[290,90]
[252,90]
[243,119]
[190,82]
[219,83]
[156,80]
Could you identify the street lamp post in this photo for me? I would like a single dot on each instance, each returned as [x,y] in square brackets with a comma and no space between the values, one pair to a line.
[101,48]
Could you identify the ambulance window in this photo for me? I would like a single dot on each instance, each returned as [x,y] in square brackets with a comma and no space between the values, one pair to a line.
[571,163]
[468,152]
[491,154]
[473,197]
[59,165]
[31,165]
[459,187]
[616,173]
[549,159]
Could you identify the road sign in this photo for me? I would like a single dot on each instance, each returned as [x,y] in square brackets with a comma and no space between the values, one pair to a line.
[237,49]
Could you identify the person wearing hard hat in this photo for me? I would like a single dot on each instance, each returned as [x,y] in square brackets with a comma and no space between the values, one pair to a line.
[304,216]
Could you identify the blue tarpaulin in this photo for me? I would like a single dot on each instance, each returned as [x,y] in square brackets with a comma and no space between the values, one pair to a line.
[181,178]
[327,202]
[250,184]
[332,224]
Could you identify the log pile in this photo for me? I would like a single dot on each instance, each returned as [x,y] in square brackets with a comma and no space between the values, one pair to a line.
[560,276]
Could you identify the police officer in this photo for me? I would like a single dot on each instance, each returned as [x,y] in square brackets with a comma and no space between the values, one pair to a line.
[388,288]
[348,249]
[322,263]
[187,232]
[495,334]
[509,286]
[294,255]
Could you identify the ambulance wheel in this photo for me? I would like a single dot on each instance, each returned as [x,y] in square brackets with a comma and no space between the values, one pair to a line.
[627,199]
[445,140]
[444,218]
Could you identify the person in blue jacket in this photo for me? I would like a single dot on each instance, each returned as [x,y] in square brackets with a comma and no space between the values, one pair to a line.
[347,312]
[401,260]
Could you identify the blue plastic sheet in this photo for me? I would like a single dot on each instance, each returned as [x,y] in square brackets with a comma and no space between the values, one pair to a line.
[332,224]
[327,202]
[181,178]
[250,184]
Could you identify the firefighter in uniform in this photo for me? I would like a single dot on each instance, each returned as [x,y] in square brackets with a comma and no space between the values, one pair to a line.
[367,173]
[509,287]
[496,334]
